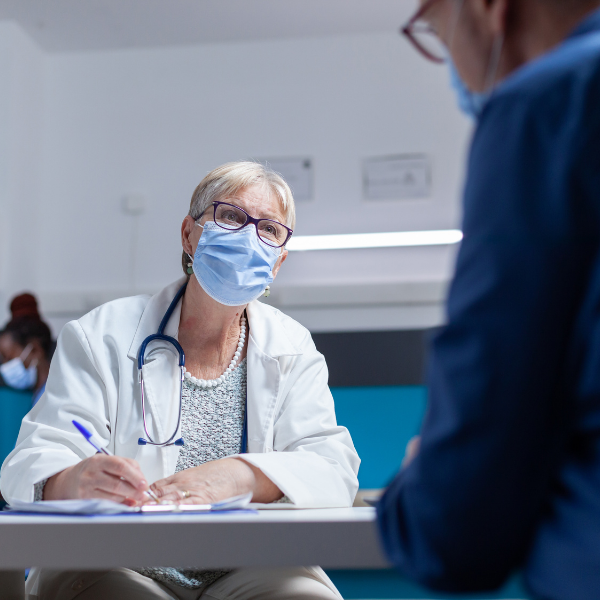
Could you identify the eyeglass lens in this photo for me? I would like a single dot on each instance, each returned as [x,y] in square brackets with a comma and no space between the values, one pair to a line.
[270,232]
[425,37]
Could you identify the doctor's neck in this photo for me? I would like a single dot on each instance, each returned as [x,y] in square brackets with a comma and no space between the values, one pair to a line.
[204,320]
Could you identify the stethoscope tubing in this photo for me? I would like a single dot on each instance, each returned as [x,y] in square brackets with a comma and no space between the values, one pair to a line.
[148,440]
[160,336]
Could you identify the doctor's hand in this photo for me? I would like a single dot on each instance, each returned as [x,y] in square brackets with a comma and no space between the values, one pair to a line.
[216,480]
[108,477]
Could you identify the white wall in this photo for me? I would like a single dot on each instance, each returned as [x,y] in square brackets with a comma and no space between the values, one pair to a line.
[156,121]
[21,131]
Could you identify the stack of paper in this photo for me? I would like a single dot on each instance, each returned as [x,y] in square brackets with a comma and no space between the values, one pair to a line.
[107,507]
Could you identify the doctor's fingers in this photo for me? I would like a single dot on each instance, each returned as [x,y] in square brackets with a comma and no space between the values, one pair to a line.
[123,469]
[126,469]
[105,485]
[193,495]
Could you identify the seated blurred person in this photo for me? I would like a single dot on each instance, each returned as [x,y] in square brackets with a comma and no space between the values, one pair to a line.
[26,348]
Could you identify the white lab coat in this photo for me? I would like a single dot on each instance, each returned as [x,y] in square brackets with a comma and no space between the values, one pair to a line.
[293,436]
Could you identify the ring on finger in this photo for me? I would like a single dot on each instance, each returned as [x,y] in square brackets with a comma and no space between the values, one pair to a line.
[186,494]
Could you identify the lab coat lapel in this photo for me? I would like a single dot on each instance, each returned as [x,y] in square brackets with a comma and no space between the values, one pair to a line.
[162,378]
[263,382]
[153,314]
[268,340]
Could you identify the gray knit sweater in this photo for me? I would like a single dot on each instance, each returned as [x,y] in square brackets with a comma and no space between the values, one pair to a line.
[212,422]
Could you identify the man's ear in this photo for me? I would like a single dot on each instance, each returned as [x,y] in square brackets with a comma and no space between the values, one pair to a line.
[279,262]
[187,227]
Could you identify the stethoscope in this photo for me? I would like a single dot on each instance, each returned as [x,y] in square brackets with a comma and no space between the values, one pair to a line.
[162,337]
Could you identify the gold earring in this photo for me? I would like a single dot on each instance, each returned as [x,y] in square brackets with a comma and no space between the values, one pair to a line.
[190,270]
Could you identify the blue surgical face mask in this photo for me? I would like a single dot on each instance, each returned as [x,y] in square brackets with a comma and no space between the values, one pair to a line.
[16,375]
[233,267]
[471,103]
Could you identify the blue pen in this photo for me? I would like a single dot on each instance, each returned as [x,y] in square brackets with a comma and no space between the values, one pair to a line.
[88,436]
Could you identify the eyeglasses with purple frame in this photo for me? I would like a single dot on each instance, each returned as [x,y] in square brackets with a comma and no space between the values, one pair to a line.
[250,220]
[409,30]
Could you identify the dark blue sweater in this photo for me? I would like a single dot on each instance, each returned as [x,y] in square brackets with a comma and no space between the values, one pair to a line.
[508,475]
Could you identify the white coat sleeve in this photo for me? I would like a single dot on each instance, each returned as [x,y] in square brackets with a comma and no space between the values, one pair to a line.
[48,441]
[313,462]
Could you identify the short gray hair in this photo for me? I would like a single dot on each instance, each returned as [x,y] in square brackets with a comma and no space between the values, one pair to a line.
[231,178]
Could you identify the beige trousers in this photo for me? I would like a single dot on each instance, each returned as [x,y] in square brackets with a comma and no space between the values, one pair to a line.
[294,583]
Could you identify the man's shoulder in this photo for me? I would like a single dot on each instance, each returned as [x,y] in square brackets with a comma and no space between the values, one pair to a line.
[560,84]
[544,108]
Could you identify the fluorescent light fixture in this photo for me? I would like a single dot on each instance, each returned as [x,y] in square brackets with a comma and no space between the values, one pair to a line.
[392,239]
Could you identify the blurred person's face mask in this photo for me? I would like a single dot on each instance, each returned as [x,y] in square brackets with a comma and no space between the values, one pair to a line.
[233,267]
[470,103]
[16,375]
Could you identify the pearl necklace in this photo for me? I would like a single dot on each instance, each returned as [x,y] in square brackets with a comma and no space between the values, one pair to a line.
[210,383]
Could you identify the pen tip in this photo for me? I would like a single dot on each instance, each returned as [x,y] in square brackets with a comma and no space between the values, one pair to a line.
[81,428]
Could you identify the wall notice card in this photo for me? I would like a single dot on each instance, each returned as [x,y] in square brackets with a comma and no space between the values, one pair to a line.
[397,177]
[297,172]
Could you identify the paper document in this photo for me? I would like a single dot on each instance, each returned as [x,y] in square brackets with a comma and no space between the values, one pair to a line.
[107,507]
[275,506]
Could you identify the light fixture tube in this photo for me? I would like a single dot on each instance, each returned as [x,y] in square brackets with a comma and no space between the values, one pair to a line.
[392,239]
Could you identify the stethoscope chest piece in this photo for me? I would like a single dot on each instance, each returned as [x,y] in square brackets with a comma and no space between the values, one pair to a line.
[178,442]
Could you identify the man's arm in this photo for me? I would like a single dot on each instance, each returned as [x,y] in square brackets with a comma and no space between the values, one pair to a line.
[461,515]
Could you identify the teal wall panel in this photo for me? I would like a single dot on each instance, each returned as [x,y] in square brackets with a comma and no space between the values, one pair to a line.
[388,584]
[14,405]
[381,420]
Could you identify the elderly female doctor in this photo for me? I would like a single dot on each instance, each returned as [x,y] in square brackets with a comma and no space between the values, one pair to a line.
[244,361]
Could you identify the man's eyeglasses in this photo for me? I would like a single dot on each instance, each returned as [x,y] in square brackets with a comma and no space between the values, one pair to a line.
[232,217]
[423,36]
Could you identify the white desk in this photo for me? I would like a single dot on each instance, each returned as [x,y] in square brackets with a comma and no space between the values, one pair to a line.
[332,538]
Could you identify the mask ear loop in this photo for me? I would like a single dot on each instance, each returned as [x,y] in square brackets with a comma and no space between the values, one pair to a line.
[26,351]
[455,19]
[496,54]
[190,265]
[267,291]
[494,62]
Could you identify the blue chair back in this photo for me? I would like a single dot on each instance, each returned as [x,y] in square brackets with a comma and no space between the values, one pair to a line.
[381,420]
[14,405]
